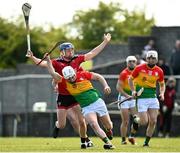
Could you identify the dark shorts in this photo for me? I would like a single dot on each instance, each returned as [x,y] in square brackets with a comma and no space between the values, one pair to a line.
[66,101]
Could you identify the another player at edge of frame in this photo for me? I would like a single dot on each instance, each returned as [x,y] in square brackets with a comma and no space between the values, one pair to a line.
[147,75]
[129,106]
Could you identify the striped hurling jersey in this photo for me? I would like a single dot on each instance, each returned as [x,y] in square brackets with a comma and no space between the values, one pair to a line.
[147,77]
[123,77]
[82,89]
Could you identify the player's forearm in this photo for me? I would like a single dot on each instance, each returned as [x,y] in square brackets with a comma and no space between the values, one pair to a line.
[52,72]
[120,90]
[37,60]
[123,93]
[100,78]
[162,88]
[103,81]
[95,51]
[131,84]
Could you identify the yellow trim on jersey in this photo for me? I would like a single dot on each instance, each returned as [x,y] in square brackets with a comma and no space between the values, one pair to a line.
[79,87]
[145,80]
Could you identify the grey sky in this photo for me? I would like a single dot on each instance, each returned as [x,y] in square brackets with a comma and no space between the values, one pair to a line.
[57,12]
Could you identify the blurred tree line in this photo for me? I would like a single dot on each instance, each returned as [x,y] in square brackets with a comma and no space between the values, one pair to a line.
[85,31]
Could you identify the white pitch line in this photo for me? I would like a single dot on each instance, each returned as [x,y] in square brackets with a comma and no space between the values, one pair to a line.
[87,152]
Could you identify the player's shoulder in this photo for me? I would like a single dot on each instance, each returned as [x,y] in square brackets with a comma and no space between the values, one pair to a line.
[157,68]
[55,61]
[140,66]
[83,72]
[78,55]
[124,71]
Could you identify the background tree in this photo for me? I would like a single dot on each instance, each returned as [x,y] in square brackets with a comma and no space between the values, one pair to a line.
[85,31]
[92,24]
[13,43]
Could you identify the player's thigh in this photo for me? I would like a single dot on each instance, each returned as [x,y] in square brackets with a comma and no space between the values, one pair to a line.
[153,113]
[91,118]
[106,121]
[77,110]
[124,115]
[71,114]
[133,110]
[61,116]
[143,118]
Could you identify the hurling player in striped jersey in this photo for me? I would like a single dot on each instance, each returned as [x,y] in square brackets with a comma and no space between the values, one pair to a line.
[147,75]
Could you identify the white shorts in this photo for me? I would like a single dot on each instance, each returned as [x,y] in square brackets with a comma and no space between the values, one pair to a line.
[98,107]
[127,104]
[144,104]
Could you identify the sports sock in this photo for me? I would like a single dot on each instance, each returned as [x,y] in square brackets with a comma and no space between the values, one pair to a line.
[105,140]
[123,139]
[132,135]
[83,140]
[147,140]
[87,139]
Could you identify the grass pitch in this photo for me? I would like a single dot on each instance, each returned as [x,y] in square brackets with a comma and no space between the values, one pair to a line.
[73,145]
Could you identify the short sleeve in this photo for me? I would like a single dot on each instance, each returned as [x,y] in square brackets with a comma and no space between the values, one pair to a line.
[87,75]
[135,72]
[161,76]
[54,63]
[122,76]
[81,58]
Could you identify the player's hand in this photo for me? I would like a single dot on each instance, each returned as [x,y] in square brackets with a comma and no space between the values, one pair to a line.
[134,94]
[164,108]
[29,54]
[161,97]
[47,57]
[128,96]
[107,90]
[55,86]
[107,37]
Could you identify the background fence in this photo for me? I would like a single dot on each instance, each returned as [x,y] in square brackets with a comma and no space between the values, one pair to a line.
[18,94]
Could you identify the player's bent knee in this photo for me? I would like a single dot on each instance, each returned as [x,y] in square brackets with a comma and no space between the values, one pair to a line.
[153,122]
[94,125]
[125,123]
[61,126]
[109,125]
[82,124]
[144,122]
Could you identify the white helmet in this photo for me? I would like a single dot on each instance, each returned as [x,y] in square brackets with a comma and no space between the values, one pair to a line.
[152,53]
[131,58]
[68,72]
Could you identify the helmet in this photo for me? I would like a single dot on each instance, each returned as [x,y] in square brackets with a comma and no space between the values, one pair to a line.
[65,46]
[171,78]
[68,72]
[131,58]
[152,53]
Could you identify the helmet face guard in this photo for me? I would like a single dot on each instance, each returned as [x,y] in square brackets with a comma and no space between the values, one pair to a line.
[68,72]
[131,62]
[65,46]
[152,53]
[131,58]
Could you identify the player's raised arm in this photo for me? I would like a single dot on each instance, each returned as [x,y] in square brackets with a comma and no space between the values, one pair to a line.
[99,48]
[35,59]
[51,70]
[131,85]
[100,78]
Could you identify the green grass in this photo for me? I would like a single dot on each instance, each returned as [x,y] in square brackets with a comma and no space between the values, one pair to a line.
[73,145]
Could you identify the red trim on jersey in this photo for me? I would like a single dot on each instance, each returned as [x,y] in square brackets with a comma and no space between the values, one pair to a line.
[63,107]
[59,64]
[124,74]
[145,68]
